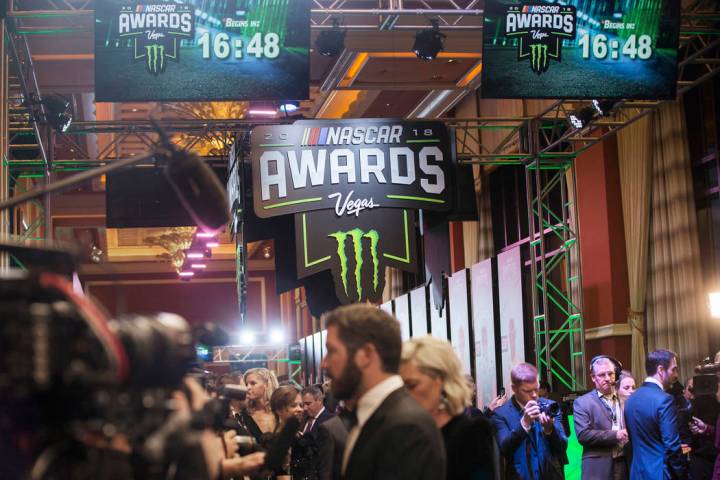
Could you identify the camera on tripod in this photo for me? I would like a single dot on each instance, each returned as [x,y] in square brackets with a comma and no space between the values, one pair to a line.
[706,382]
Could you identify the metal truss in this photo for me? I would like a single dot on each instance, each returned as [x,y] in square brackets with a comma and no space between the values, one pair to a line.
[555,267]
[275,356]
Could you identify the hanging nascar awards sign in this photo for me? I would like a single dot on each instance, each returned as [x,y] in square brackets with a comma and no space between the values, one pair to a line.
[580,49]
[350,166]
[353,186]
[163,50]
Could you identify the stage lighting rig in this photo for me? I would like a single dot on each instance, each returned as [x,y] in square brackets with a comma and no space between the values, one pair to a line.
[331,42]
[604,107]
[579,119]
[429,42]
[57,114]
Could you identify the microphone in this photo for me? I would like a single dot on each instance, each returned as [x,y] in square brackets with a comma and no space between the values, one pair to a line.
[198,190]
[275,457]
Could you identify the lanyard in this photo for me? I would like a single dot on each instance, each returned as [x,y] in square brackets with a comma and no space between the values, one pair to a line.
[611,409]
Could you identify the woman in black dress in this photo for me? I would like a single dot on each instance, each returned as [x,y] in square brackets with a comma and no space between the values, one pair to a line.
[433,376]
[257,418]
[303,459]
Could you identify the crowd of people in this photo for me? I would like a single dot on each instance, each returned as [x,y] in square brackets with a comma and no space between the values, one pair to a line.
[393,410]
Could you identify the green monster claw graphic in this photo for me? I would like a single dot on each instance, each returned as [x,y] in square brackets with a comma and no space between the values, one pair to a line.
[357,236]
[155,55]
[340,238]
[374,238]
[538,57]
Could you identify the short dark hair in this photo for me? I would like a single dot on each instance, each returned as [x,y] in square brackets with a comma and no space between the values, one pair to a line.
[657,358]
[316,393]
[359,324]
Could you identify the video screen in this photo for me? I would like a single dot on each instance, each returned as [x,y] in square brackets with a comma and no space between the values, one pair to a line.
[201,50]
[580,49]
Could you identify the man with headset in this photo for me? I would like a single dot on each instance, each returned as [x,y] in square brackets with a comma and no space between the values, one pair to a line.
[600,426]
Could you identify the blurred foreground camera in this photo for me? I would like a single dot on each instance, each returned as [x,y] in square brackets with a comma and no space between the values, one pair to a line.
[73,382]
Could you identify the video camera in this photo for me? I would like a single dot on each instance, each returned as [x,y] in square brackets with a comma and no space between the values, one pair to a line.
[68,373]
[706,382]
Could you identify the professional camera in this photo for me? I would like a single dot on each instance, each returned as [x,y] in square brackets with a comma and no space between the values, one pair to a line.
[706,383]
[549,408]
[72,381]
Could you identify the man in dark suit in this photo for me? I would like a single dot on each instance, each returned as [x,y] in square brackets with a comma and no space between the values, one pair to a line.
[391,437]
[599,424]
[315,411]
[331,438]
[651,422]
[533,442]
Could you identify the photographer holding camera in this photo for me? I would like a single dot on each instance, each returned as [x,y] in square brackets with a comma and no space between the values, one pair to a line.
[529,430]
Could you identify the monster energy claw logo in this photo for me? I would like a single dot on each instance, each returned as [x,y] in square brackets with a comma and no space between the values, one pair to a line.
[357,236]
[539,57]
[539,30]
[155,58]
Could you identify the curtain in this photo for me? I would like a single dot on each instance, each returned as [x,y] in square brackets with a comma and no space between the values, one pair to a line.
[478,235]
[635,149]
[677,318]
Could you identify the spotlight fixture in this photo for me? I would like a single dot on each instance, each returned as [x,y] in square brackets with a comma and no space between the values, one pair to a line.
[289,107]
[579,119]
[714,302]
[429,42]
[331,42]
[604,107]
[277,336]
[266,252]
[57,112]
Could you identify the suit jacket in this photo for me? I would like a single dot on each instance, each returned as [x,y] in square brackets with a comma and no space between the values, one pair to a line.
[593,426]
[529,455]
[331,437]
[322,418]
[398,442]
[651,421]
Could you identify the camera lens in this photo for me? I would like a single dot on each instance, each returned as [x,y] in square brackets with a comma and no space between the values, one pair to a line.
[549,408]
[160,348]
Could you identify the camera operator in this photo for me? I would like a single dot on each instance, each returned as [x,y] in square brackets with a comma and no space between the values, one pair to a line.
[529,430]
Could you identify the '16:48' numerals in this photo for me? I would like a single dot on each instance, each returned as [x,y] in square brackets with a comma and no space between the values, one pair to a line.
[222,46]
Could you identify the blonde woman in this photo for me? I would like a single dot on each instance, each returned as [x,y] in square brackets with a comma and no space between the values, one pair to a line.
[433,377]
[258,418]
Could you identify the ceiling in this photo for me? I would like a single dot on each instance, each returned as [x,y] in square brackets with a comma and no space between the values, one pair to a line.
[375,76]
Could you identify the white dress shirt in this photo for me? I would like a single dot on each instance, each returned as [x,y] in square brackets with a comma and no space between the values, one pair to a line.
[656,382]
[366,406]
[311,421]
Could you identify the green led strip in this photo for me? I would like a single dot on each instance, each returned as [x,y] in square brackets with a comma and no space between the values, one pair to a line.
[292,202]
[406,259]
[309,264]
[419,199]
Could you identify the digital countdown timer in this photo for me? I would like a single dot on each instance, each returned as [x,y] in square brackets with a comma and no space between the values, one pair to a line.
[195,50]
[580,49]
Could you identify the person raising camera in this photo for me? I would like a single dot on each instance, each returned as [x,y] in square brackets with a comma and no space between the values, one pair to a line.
[529,430]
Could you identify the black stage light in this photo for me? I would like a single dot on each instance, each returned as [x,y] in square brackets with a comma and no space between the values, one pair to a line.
[579,119]
[331,42]
[428,43]
[604,107]
[57,112]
